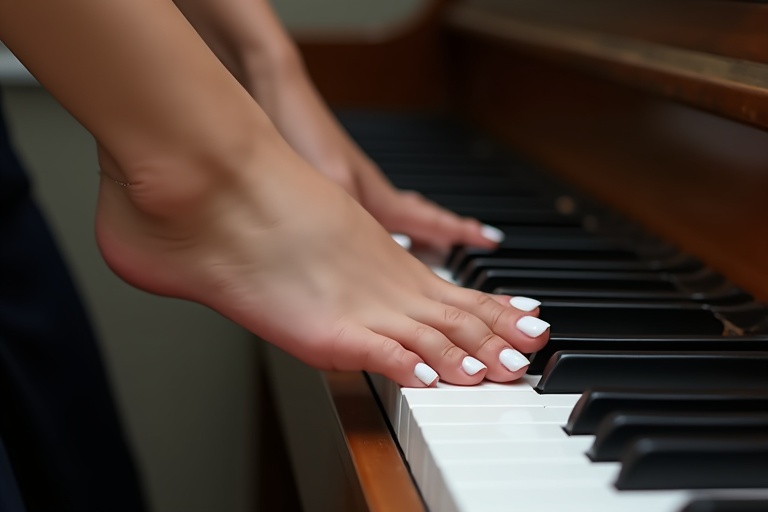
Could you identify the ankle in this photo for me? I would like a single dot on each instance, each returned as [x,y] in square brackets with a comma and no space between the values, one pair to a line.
[180,184]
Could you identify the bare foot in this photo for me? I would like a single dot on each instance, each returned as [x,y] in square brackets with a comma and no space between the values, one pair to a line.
[287,95]
[282,251]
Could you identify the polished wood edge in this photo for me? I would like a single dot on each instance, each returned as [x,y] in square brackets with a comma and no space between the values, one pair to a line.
[385,480]
[399,67]
[730,28]
[342,454]
[316,447]
[731,87]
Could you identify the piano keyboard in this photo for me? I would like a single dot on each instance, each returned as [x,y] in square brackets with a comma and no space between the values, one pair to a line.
[652,394]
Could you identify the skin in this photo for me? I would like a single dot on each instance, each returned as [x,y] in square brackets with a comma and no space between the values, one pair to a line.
[249,39]
[221,210]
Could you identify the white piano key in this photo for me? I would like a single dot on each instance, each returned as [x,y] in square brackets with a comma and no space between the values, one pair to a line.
[413,444]
[525,382]
[403,420]
[412,399]
[467,451]
[459,484]
[433,459]
[493,432]
[501,414]
[557,499]
[492,394]
[412,437]
[500,446]
[530,380]
[529,473]
[481,397]
[418,455]
[444,387]
[411,433]
[391,395]
[429,479]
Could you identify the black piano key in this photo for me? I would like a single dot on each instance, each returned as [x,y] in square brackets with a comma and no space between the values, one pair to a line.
[617,431]
[517,215]
[608,284]
[598,402]
[644,343]
[748,317]
[617,282]
[455,201]
[474,266]
[407,169]
[573,317]
[438,163]
[534,213]
[575,371]
[727,505]
[585,247]
[695,462]
[459,258]
[583,242]
[716,297]
[535,232]
[491,186]
[469,275]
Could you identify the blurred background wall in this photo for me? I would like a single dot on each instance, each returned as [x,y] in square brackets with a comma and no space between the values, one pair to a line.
[341,14]
[185,379]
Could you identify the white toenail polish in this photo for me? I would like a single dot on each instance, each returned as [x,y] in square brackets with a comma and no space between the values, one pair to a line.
[513,360]
[403,240]
[524,303]
[493,234]
[472,365]
[532,326]
[425,374]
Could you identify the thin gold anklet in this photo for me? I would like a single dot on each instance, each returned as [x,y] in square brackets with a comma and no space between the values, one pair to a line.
[110,178]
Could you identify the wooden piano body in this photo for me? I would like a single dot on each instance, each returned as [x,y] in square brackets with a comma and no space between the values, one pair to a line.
[657,109]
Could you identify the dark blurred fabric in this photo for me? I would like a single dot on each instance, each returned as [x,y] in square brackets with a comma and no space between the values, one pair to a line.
[58,422]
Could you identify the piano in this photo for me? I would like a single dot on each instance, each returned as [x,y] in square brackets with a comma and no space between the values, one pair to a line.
[622,147]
